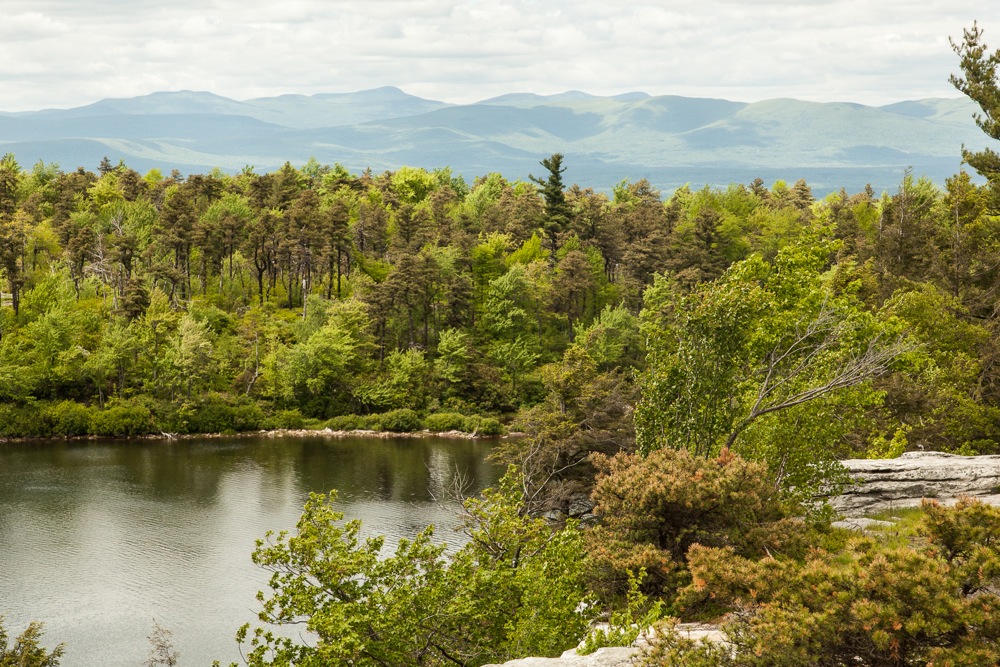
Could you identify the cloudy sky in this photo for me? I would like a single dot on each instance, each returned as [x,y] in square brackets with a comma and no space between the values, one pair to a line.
[64,53]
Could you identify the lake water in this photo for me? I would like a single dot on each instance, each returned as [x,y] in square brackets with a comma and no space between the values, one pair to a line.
[98,540]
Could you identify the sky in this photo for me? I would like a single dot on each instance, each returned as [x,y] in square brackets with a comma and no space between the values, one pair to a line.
[67,53]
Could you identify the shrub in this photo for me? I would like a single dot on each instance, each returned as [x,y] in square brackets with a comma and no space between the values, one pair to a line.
[344,423]
[247,417]
[69,418]
[23,421]
[291,419]
[870,604]
[653,509]
[123,420]
[402,420]
[212,415]
[26,650]
[487,426]
[514,589]
[625,625]
[446,421]
[219,414]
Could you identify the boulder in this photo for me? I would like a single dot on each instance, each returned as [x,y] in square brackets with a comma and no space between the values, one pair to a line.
[885,484]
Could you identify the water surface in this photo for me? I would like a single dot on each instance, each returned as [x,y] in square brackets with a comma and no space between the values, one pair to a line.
[99,539]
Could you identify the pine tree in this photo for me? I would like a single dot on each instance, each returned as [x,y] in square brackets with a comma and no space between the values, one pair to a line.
[557,213]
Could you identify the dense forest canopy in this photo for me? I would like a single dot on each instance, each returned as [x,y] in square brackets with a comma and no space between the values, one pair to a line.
[316,292]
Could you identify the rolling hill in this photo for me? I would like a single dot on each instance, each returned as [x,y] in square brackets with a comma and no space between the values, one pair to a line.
[669,140]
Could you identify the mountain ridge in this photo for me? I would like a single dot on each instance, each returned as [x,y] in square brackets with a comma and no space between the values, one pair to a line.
[670,140]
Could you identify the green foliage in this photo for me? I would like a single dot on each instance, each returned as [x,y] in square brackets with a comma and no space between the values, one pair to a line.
[355,423]
[870,604]
[23,421]
[741,362]
[26,650]
[513,590]
[69,418]
[446,421]
[403,383]
[402,420]
[330,293]
[122,420]
[979,83]
[653,509]
[219,414]
[489,426]
[288,419]
[612,340]
[636,618]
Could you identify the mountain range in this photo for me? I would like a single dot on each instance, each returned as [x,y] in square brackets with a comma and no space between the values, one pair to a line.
[668,140]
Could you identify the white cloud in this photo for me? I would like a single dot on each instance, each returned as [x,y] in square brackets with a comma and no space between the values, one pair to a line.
[66,52]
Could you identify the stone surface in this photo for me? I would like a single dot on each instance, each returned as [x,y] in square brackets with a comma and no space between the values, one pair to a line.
[605,657]
[883,484]
[860,523]
[615,656]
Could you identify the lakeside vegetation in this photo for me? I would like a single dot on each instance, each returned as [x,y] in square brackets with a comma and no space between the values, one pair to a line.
[695,365]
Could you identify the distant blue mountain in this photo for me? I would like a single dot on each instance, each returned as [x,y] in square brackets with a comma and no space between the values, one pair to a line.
[669,140]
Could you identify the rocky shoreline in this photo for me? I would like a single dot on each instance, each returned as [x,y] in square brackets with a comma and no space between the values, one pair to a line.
[275,433]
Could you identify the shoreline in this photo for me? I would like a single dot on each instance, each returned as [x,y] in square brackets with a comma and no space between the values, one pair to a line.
[272,433]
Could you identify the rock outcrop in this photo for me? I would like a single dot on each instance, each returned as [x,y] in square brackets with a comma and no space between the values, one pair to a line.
[883,484]
[615,656]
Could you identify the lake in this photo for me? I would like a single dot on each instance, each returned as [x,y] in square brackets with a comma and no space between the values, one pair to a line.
[99,539]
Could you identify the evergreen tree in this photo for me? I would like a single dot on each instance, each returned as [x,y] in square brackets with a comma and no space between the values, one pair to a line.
[557,210]
[979,82]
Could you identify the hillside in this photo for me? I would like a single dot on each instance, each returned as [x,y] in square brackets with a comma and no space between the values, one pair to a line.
[669,140]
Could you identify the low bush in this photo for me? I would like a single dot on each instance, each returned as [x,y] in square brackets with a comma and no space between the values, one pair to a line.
[219,414]
[68,418]
[402,420]
[122,420]
[446,421]
[485,426]
[23,421]
[247,417]
[654,508]
[344,423]
[870,604]
[291,419]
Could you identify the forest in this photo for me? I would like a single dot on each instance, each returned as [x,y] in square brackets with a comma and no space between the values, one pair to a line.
[744,338]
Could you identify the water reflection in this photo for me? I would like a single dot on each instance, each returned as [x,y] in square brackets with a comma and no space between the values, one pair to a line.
[98,539]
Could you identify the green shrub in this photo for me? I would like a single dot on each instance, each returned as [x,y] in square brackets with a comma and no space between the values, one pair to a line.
[344,423]
[654,508]
[370,422]
[123,420]
[446,421]
[217,414]
[870,604]
[247,417]
[402,420]
[23,421]
[487,426]
[170,416]
[627,624]
[69,418]
[212,415]
[515,588]
[291,419]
